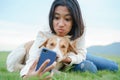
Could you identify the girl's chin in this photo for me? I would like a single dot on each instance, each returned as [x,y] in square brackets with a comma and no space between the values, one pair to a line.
[60,34]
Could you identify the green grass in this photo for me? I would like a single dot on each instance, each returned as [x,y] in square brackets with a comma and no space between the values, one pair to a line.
[100,75]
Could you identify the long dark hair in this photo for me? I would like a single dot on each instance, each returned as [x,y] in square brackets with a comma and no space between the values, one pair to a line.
[74,8]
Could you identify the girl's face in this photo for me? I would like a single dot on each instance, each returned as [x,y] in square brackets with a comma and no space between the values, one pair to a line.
[62,21]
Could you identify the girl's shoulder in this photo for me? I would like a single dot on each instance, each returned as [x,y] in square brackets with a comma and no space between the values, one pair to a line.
[43,34]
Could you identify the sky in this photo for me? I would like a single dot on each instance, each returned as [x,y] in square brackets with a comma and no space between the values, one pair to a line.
[20,21]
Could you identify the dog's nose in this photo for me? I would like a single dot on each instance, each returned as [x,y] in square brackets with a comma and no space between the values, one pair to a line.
[57,57]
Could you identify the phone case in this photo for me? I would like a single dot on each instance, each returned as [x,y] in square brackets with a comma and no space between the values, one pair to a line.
[46,54]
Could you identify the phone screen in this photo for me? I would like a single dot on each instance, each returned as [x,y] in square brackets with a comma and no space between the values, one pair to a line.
[46,54]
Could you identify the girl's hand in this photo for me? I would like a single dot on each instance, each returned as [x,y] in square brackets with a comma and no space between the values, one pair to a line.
[41,71]
[67,60]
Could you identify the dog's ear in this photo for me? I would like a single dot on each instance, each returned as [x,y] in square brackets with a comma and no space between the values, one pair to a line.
[28,45]
[44,43]
[72,47]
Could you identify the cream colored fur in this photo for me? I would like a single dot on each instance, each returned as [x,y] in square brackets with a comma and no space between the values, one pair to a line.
[17,58]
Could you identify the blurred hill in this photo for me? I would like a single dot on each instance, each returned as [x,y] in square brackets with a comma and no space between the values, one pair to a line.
[111,49]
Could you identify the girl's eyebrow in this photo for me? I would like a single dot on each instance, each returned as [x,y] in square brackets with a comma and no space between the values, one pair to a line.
[59,14]
[68,15]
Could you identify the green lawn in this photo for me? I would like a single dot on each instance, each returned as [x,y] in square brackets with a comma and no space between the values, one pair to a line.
[101,75]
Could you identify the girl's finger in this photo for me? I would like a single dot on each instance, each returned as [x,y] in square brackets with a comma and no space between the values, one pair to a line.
[34,65]
[49,67]
[43,66]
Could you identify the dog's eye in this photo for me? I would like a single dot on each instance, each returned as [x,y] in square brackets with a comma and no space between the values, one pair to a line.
[63,46]
[51,44]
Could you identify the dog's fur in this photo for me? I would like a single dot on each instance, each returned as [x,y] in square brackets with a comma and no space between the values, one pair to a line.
[61,45]
[17,58]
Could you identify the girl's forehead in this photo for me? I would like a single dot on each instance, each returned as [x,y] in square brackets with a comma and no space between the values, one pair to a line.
[64,8]
[61,10]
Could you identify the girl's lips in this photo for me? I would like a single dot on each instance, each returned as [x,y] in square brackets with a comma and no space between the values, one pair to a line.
[60,30]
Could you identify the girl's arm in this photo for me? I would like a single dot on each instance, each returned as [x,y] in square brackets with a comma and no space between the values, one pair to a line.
[81,52]
[34,52]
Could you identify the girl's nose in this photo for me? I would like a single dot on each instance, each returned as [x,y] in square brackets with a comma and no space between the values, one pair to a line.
[61,23]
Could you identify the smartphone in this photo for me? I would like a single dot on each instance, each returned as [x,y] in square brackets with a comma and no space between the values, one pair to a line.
[44,55]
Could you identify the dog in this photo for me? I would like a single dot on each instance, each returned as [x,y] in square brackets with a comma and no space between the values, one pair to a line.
[17,58]
[61,45]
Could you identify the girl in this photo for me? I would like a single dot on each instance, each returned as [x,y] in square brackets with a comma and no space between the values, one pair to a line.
[65,18]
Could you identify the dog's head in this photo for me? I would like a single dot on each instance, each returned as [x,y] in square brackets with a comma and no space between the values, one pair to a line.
[61,45]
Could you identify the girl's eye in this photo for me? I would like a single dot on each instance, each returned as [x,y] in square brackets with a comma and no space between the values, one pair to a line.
[56,18]
[68,19]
